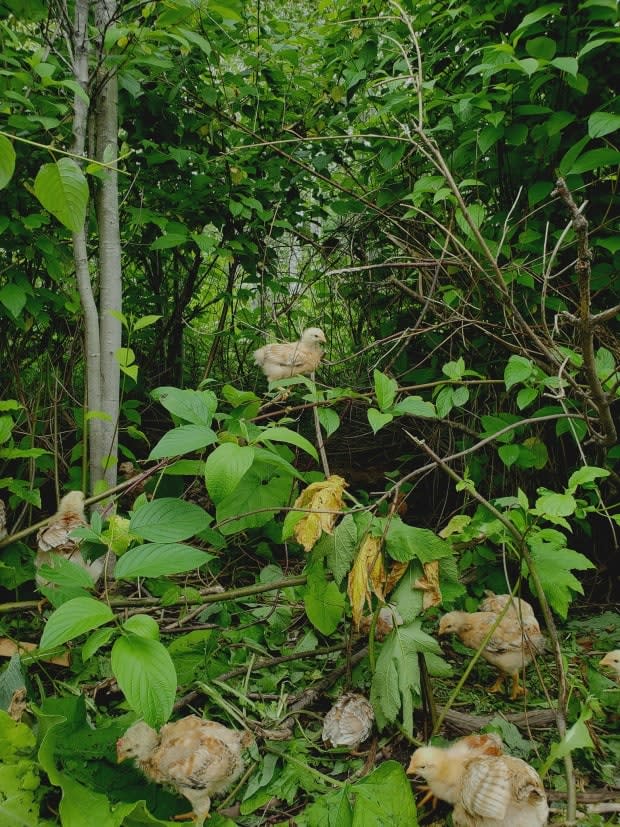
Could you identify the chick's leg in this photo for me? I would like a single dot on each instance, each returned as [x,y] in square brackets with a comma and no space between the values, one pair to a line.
[517,690]
[498,685]
[428,796]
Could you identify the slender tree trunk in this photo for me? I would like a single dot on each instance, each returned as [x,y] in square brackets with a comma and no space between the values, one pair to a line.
[110,275]
[81,48]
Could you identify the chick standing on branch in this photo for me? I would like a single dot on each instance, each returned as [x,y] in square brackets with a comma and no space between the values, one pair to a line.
[54,542]
[195,757]
[281,361]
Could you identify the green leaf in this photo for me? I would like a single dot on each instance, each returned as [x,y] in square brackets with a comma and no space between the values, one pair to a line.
[254,502]
[196,407]
[168,520]
[329,419]
[526,396]
[95,641]
[341,547]
[225,468]
[324,604]
[602,123]
[160,560]
[66,573]
[577,737]
[556,505]
[182,440]
[146,321]
[518,369]
[554,563]
[508,454]
[443,402]
[415,406]
[385,390]
[281,434]
[584,475]
[74,618]
[384,798]
[146,676]
[63,190]
[7,161]
[396,681]
[143,625]
[570,65]
[542,48]
[378,420]
[13,297]
[594,159]
[406,542]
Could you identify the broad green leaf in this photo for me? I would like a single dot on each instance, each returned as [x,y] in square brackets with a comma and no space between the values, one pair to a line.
[182,440]
[196,407]
[63,191]
[454,370]
[329,419]
[460,396]
[378,420]
[384,798]
[415,406]
[13,297]
[159,560]
[385,390]
[554,563]
[602,123]
[570,65]
[145,321]
[406,542]
[7,161]
[594,159]
[168,520]
[556,505]
[582,476]
[225,468]
[443,402]
[281,434]
[508,454]
[543,48]
[169,240]
[143,625]
[74,618]
[146,676]
[66,573]
[518,369]
[324,603]
[255,501]
[340,547]
[577,737]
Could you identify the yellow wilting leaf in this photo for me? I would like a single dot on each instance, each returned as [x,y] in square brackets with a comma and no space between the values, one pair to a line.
[430,585]
[394,575]
[326,500]
[367,574]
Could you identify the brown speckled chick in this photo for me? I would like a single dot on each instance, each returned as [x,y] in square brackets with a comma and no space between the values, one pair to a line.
[53,539]
[612,662]
[348,722]
[195,757]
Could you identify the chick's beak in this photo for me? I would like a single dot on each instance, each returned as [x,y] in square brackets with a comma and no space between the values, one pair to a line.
[412,769]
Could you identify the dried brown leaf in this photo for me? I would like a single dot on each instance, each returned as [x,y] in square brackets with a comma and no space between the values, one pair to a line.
[367,575]
[430,585]
[325,499]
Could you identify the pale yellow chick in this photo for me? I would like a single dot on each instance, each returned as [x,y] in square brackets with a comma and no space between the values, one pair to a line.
[442,767]
[281,361]
[196,758]
[348,722]
[487,789]
[510,648]
[612,662]
[53,539]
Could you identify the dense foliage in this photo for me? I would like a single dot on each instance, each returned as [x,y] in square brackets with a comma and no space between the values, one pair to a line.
[435,186]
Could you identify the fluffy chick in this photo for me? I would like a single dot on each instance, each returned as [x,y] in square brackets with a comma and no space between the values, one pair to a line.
[510,648]
[612,661]
[442,768]
[500,791]
[348,722]
[281,361]
[496,602]
[53,539]
[196,758]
